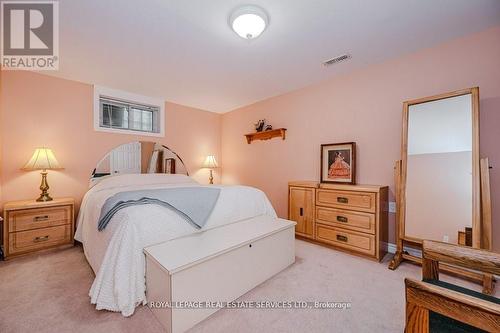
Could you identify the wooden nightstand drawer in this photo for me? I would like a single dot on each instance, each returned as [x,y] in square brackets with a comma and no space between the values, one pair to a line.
[30,226]
[352,240]
[31,240]
[29,219]
[361,201]
[358,221]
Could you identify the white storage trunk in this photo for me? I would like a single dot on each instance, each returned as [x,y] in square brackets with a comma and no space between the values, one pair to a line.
[218,265]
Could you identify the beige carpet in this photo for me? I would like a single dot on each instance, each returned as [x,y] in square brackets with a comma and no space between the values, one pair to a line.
[48,293]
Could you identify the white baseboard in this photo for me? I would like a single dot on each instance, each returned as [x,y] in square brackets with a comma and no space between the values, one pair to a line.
[391,248]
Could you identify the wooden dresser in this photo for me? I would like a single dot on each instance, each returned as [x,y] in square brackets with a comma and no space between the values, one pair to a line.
[31,226]
[353,218]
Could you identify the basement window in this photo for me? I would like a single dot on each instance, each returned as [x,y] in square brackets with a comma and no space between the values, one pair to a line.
[121,112]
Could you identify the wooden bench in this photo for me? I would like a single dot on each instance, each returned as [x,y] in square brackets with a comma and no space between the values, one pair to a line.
[436,306]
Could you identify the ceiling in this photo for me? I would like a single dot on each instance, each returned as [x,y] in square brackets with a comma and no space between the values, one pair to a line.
[185,52]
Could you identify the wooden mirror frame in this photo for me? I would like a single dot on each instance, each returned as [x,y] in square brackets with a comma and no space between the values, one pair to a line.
[401,177]
[173,154]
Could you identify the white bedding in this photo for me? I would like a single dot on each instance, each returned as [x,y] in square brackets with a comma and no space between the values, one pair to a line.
[115,253]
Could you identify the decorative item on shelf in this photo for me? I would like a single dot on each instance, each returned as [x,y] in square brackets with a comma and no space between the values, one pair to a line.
[210,163]
[259,126]
[269,128]
[338,163]
[43,159]
[266,135]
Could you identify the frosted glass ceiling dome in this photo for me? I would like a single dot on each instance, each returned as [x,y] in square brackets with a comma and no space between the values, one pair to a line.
[249,21]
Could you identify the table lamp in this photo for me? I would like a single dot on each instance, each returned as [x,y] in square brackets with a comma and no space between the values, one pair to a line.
[43,159]
[210,163]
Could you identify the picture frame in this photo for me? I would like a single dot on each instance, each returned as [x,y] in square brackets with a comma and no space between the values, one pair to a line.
[169,166]
[338,163]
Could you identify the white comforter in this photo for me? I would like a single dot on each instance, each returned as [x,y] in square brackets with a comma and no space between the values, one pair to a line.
[116,253]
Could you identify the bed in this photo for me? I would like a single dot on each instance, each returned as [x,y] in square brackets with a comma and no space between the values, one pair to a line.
[116,253]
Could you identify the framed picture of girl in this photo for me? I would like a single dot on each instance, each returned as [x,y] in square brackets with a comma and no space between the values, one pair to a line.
[338,163]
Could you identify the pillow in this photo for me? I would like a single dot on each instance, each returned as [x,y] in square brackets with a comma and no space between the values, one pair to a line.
[108,182]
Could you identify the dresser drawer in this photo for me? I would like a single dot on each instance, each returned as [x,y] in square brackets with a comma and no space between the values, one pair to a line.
[351,240]
[28,219]
[357,221]
[362,201]
[24,241]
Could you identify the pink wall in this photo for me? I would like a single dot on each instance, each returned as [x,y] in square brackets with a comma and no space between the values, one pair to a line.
[1,76]
[490,147]
[364,106]
[43,110]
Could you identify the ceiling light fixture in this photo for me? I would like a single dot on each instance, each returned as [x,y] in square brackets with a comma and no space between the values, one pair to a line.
[248,21]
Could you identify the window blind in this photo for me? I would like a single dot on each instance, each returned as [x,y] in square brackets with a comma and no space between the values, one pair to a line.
[119,114]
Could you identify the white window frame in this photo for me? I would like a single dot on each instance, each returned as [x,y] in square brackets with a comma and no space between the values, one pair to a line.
[100,91]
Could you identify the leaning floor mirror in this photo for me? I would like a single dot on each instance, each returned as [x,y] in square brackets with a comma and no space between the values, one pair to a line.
[438,176]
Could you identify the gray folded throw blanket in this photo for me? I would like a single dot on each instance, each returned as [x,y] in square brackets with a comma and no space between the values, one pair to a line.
[193,204]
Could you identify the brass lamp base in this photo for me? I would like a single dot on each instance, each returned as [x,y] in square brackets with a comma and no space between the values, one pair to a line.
[211,178]
[44,197]
[44,187]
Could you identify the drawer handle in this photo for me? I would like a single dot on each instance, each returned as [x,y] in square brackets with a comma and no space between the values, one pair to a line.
[41,239]
[342,219]
[301,211]
[342,238]
[342,200]
[41,218]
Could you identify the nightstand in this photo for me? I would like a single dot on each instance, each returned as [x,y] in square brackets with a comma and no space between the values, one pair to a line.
[30,226]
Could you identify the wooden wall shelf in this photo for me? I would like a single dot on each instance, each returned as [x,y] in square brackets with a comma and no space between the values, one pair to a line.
[266,135]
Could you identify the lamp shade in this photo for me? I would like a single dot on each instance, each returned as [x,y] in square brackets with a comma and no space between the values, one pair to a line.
[210,162]
[42,159]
